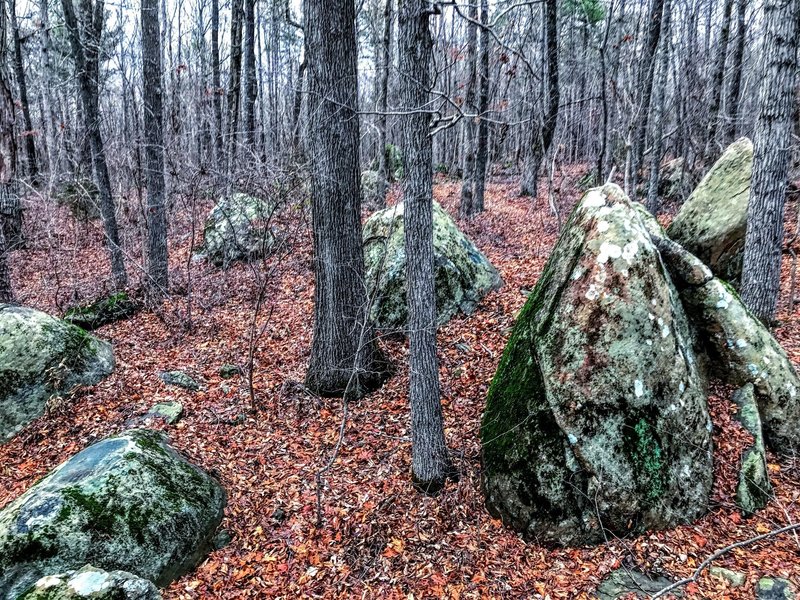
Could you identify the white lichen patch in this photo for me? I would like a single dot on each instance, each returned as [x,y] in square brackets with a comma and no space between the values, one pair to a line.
[638,388]
[47,582]
[603,226]
[89,582]
[592,293]
[594,199]
[629,250]
[740,343]
[608,250]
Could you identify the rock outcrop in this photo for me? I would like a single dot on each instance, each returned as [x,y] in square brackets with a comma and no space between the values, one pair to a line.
[596,421]
[42,357]
[238,228]
[754,489]
[463,274]
[102,312]
[92,583]
[713,221]
[129,502]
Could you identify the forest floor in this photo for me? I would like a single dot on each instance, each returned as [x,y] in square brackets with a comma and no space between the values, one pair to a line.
[378,538]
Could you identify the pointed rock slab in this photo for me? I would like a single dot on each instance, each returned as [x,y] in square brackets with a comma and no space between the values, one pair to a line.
[596,421]
[463,274]
[129,502]
[754,490]
[41,357]
[713,221]
[93,583]
[740,349]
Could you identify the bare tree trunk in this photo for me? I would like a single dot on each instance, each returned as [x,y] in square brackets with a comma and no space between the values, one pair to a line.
[772,149]
[482,152]
[19,73]
[216,82]
[250,88]
[541,142]
[49,112]
[383,103]
[646,75]
[465,208]
[85,53]
[345,359]
[234,83]
[156,244]
[716,86]
[430,459]
[9,202]
[658,113]
[735,86]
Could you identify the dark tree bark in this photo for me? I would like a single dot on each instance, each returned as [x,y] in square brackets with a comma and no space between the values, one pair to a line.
[646,75]
[250,87]
[345,359]
[716,84]
[9,202]
[156,242]
[85,54]
[465,208]
[541,141]
[216,82]
[383,104]
[482,152]
[430,459]
[772,150]
[19,73]
[658,113]
[234,82]
[735,85]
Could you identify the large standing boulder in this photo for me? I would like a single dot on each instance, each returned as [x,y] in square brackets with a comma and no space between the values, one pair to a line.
[129,502]
[463,274]
[740,349]
[713,221]
[40,357]
[92,583]
[596,421]
[238,228]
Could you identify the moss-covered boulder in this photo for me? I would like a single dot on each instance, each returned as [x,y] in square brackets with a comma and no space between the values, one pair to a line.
[754,489]
[463,274]
[596,421]
[128,503]
[92,583]
[102,312]
[369,185]
[41,357]
[713,221]
[740,349]
[238,228]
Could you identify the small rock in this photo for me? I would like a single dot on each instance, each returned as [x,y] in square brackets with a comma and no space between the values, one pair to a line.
[102,312]
[228,370]
[90,582]
[754,489]
[222,539]
[775,588]
[170,412]
[180,379]
[734,578]
[620,583]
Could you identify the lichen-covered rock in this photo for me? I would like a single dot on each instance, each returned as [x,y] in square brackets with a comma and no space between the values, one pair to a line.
[180,379]
[238,228]
[625,581]
[41,357]
[741,350]
[93,583]
[754,489]
[713,221]
[129,502]
[169,412]
[596,420]
[670,181]
[463,274]
[102,312]
[775,588]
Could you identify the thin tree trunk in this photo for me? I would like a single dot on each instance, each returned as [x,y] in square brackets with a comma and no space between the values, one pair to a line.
[465,208]
[716,86]
[658,113]
[345,359]
[234,83]
[482,152]
[772,150]
[19,73]
[646,75]
[85,54]
[383,103]
[216,82]
[9,202]
[735,86]
[250,88]
[156,244]
[430,459]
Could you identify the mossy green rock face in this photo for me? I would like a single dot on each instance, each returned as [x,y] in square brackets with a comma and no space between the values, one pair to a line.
[92,583]
[713,221]
[128,503]
[596,421]
[102,312]
[41,356]
[238,229]
[463,274]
